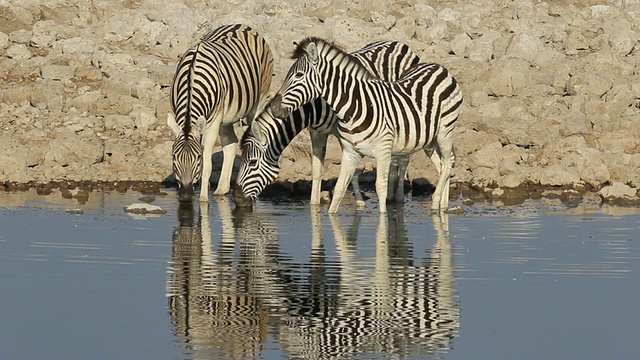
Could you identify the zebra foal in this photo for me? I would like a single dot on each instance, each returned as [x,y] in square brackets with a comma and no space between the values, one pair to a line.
[219,81]
[379,118]
[267,137]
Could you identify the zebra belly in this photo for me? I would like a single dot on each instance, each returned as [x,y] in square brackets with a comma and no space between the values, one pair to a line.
[371,149]
[401,148]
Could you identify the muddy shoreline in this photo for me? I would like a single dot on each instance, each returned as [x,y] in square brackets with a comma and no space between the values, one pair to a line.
[301,189]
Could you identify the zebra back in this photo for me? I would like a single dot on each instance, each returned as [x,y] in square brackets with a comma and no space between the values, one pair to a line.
[229,69]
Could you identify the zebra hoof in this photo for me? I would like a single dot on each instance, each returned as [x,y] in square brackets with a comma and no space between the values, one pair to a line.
[360,204]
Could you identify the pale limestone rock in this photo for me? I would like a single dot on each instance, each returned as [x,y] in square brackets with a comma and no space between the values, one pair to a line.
[18,52]
[460,44]
[13,167]
[574,123]
[589,83]
[618,190]
[144,208]
[623,42]
[350,32]
[506,80]
[23,11]
[17,95]
[484,176]
[386,21]
[558,175]
[4,40]
[21,36]
[161,74]
[71,149]
[488,156]
[546,58]
[575,42]
[143,118]
[44,33]
[56,72]
[524,46]
[87,101]
[482,49]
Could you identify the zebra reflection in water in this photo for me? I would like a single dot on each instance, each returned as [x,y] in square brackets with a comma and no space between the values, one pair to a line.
[226,298]
[214,307]
[394,303]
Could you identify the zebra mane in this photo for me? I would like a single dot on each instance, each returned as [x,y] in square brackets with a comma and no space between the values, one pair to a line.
[251,130]
[300,51]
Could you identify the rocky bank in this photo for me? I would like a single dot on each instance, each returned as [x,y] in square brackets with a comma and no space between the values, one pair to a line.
[552,88]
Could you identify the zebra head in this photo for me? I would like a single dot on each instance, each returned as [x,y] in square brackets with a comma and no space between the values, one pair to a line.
[259,166]
[186,154]
[302,83]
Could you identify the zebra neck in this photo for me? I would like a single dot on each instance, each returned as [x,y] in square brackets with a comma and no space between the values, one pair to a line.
[345,79]
[286,131]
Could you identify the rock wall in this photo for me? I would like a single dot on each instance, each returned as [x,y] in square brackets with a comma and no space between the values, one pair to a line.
[552,89]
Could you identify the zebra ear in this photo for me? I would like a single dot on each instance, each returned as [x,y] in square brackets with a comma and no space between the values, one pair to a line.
[173,125]
[200,124]
[312,52]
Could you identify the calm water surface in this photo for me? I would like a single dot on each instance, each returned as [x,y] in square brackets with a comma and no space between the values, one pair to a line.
[539,280]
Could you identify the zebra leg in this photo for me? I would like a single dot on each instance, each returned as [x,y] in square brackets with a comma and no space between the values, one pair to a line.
[229,142]
[440,199]
[319,150]
[393,179]
[383,163]
[401,173]
[434,156]
[350,161]
[355,184]
[208,142]
[445,192]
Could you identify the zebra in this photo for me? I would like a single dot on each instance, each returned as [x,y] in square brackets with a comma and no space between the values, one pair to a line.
[380,119]
[223,78]
[267,137]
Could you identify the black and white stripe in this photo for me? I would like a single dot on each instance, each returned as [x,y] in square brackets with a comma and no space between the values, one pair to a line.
[263,143]
[380,119]
[219,81]
[373,304]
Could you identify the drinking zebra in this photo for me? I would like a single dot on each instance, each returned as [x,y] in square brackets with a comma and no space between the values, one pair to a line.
[222,79]
[380,119]
[267,137]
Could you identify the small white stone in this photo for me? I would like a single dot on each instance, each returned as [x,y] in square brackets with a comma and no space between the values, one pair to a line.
[144,208]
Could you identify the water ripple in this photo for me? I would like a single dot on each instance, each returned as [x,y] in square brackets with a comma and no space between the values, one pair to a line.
[338,303]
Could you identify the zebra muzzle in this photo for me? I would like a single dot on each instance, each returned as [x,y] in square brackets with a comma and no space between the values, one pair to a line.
[185,192]
[240,198]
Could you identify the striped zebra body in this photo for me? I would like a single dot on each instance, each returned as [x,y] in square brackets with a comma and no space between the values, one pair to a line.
[265,140]
[222,79]
[380,119]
